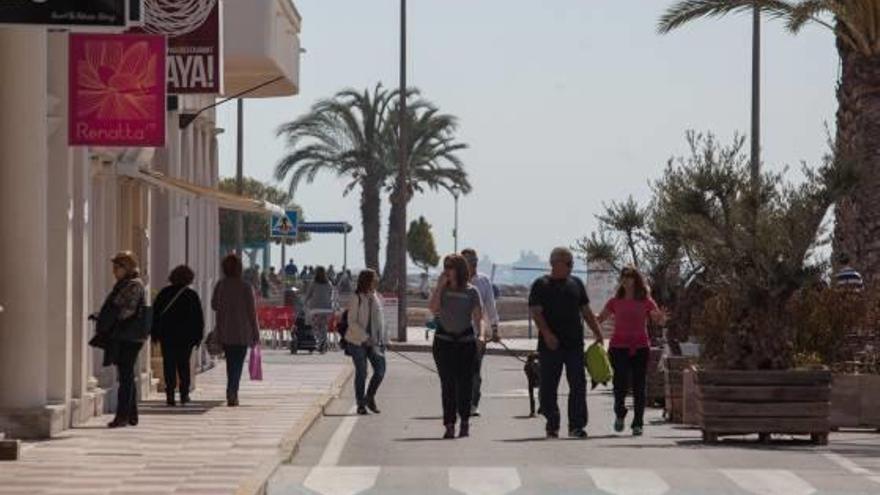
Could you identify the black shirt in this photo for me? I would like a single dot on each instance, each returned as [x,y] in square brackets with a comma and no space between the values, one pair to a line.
[561,302]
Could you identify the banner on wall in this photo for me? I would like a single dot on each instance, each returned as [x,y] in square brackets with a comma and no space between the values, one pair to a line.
[117,90]
[193,29]
[106,13]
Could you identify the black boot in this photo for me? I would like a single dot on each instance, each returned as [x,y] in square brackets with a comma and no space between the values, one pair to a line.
[169,399]
[464,430]
[184,398]
[371,405]
[450,431]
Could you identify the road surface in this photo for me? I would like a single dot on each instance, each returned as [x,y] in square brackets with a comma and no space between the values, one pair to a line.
[400,452]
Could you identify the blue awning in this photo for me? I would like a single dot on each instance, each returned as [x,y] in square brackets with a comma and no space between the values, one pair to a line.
[325,227]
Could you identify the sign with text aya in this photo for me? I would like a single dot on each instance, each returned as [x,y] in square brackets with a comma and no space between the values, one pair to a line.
[117,90]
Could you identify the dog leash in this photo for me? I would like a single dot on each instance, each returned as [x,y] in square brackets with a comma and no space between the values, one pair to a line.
[413,361]
[511,352]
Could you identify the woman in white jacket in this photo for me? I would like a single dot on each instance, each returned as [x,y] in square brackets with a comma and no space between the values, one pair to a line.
[366,338]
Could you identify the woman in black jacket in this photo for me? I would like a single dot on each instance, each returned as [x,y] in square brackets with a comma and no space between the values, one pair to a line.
[122,328]
[178,325]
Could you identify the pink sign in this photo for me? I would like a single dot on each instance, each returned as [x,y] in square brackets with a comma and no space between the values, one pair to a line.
[117,90]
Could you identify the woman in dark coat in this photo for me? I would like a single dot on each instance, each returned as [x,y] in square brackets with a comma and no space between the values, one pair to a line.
[122,329]
[178,326]
[236,328]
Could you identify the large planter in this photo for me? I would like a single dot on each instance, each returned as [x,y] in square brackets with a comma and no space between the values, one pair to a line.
[674,387]
[691,412]
[655,379]
[855,401]
[764,402]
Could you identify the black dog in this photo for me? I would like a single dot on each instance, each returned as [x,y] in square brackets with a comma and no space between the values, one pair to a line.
[532,369]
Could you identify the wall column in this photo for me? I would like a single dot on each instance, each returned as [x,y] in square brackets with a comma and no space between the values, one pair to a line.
[23,249]
[59,218]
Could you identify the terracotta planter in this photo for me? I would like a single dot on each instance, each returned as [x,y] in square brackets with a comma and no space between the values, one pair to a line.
[674,387]
[691,409]
[855,401]
[870,401]
[764,402]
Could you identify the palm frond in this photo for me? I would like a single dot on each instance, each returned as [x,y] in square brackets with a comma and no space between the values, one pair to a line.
[685,11]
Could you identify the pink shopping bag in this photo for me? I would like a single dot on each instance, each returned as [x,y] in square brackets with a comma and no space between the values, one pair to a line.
[255,364]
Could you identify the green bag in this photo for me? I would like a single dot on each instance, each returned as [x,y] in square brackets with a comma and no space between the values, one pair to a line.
[598,365]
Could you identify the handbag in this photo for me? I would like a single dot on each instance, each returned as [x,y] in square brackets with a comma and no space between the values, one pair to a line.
[255,364]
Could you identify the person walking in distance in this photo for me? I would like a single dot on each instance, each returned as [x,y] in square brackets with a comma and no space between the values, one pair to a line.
[178,326]
[321,301]
[630,346]
[236,327]
[121,331]
[490,312]
[366,338]
[457,303]
[559,305]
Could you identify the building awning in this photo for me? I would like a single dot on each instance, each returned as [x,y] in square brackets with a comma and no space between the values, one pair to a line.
[325,227]
[223,199]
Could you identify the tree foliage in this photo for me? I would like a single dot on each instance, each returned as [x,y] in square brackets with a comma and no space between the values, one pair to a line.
[420,244]
[753,253]
[256,226]
[432,149]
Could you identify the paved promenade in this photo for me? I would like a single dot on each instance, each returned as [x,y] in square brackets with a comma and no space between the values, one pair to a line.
[204,448]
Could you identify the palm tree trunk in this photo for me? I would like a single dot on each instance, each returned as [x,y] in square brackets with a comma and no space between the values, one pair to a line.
[371,207]
[857,226]
[396,242]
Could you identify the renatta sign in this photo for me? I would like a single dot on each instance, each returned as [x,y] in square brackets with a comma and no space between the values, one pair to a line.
[117,90]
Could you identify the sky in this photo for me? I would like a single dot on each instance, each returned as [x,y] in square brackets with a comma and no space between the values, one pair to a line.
[564,104]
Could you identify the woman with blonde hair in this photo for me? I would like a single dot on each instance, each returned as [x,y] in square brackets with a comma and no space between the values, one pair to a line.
[121,330]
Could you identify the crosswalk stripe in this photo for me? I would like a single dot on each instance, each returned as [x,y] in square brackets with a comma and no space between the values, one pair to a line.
[769,481]
[484,481]
[335,480]
[333,450]
[847,464]
[628,481]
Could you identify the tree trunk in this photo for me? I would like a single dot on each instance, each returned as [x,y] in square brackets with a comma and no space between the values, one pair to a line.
[395,244]
[857,226]
[371,207]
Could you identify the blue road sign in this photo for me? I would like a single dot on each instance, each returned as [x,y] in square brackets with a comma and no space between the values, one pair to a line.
[286,226]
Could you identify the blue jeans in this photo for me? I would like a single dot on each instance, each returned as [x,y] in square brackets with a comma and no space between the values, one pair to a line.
[235,355]
[551,372]
[360,355]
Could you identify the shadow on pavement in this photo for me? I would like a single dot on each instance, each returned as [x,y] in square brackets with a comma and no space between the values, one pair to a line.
[560,439]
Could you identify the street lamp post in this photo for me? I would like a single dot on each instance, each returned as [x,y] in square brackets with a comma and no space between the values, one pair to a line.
[756,96]
[402,183]
[455,195]
[239,179]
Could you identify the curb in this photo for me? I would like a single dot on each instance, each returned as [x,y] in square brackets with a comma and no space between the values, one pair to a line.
[492,351]
[256,482]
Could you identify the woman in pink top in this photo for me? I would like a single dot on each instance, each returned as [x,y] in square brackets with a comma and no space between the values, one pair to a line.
[629,348]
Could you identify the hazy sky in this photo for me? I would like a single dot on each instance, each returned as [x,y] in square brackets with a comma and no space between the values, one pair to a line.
[565,104]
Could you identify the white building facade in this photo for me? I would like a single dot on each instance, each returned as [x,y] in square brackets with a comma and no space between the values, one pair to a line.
[65,211]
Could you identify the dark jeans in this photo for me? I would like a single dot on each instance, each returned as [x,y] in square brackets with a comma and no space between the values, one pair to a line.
[630,369]
[360,355]
[176,362]
[455,364]
[235,355]
[126,394]
[551,372]
[478,377]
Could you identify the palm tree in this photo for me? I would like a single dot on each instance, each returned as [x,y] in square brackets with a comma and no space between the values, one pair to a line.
[856,26]
[433,164]
[342,135]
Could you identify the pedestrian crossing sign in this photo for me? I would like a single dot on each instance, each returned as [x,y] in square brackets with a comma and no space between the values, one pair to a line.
[285,227]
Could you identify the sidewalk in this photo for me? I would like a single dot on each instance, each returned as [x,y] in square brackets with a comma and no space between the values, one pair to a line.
[204,448]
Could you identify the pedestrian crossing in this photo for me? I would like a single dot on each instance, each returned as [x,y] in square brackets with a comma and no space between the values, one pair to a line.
[467,480]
